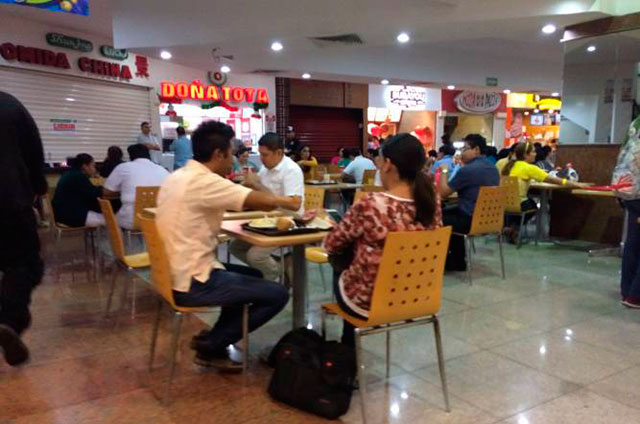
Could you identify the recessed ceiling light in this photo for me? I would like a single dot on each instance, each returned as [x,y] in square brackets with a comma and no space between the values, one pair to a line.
[70,99]
[536,110]
[549,29]
[526,113]
[276,46]
[555,94]
[451,87]
[591,49]
[403,37]
[506,91]
[165,55]
[306,75]
[225,69]
[384,82]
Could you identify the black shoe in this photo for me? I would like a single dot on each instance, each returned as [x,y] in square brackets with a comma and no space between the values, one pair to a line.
[221,362]
[197,341]
[15,351]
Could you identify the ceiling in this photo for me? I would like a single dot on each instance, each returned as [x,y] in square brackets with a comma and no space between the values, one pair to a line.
[459,42]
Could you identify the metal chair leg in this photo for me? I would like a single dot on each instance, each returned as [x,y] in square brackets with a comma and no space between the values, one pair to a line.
[537,216]
[175,337]
[132,281]
[467,249]
[324,281]
[361,376]
[114,277]
[154,334]
[245,338]
[388,337]
[473,245]
[522,217]
[443,376]
[323,323]
[501,255]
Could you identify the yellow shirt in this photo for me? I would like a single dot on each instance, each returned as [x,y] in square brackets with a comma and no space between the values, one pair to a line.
[501,164]
[525,172]
[309,168]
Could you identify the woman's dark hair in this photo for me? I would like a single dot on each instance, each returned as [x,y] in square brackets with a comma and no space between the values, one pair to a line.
[272,141]
[242,151]
[299,156]
[80,160]
[433,154]
[209,137]
[180,131]
[519,153]
[542,153]
[114,154]
[407,154]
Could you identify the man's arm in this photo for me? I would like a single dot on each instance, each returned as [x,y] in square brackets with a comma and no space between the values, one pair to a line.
[443,185]
[252,180]
[257,200]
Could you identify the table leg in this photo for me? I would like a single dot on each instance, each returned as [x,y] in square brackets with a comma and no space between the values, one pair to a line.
[543,221]
[299,287]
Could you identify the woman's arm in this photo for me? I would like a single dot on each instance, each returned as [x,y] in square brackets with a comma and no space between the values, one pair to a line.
[349,229]
[310,162]
[564,182]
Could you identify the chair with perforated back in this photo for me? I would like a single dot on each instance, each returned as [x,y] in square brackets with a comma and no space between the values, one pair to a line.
[313,198]
[163,285]
[487,219]
[60,229]
[514,206]
[146,197]
[369,188]
[128,263]
[369,177]
[407,292]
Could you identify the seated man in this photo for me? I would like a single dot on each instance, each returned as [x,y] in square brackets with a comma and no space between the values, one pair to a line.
[191,205]
[354,172]
[280,176]
[476,172]
[139,172]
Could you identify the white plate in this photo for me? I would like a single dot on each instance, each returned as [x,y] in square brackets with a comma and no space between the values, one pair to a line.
[263,223]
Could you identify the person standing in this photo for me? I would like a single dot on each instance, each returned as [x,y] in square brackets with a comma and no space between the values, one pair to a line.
[191,205]
[291,142]
[21,267]
[182,149]
[279,176]
[139,172]
[151,141]
[476,172]
[627,172]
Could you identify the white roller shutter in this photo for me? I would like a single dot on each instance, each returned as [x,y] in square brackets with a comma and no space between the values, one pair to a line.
[105,113]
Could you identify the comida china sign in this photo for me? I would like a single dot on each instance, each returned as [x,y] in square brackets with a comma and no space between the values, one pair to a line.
[213,93]
[406,97]
[478,103]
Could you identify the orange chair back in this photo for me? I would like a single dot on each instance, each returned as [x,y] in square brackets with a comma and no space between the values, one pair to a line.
[146,197]
[160,268]
[512,194]
[313,198]
[115,233]
[369,188]
[97,181]
[409,282]
[334,169]
[488,216]
[369,176]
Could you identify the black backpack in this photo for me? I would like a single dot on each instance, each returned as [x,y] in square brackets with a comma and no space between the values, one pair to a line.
[312,374]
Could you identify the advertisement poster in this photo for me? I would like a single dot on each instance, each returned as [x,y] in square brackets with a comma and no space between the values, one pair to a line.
[78,7]
[64,126]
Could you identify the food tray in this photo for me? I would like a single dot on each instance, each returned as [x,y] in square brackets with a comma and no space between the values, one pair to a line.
[316,182]
[274,232]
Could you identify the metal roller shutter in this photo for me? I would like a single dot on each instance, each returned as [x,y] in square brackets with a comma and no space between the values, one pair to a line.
[105,113]
[326,129]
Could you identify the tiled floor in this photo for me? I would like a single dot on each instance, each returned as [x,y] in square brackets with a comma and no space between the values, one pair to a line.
[550,344]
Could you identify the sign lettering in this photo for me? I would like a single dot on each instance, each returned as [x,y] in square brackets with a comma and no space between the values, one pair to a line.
[198,91]
[113,53]
[408,97]
[67,42]
[478,103]
[33,55]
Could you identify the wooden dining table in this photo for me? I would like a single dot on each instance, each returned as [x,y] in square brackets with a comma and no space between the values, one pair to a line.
[543,223]
[297,242]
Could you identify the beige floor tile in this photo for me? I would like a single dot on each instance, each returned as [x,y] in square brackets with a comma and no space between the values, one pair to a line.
[623,387]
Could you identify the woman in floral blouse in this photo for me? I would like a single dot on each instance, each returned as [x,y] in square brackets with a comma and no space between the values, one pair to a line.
[409,203]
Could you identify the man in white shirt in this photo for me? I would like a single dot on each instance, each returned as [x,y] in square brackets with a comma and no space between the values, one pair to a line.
[280,176]
[151,141]
[355,170]
[191,206]
[139,172]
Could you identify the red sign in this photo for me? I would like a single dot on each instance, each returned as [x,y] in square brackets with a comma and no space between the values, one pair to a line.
[34,55]
[198,91]
[142,67]
[100,67]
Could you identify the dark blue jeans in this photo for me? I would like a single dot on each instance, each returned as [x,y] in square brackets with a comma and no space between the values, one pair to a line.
[630,282]
[232,288]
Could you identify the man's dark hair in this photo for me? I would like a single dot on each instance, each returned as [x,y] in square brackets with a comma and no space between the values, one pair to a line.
[242,151]
[374,153]
[476,140]
[180,131]
[143,124]
[447,150]
[138,151]
[271,141]
[432,153]
[80,159]
[446,138]
[355,151]
[209,137]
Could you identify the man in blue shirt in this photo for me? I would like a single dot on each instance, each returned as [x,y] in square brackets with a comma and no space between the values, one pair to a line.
[476,172]
[182,148]
[446,153]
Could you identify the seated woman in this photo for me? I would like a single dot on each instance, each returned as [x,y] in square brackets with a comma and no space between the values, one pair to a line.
[307,162]
[521,165]
[543,159]
[336,159]
[75,202]
[347,157]
[409,203]
[242,161]
[113,159]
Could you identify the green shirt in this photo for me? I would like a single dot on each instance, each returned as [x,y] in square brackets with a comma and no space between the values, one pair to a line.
[75,196]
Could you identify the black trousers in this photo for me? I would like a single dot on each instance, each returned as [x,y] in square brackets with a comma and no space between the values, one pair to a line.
[348,330]
[21,267]
[461,223]
[526,205]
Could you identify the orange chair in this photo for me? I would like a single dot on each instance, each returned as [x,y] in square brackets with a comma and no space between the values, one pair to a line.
[313,198]
[407,292]
[129,263]
[513,205]
[163,285]
[369,177]
[487,219]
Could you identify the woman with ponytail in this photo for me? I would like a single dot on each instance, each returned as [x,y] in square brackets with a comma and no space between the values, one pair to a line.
[521,165]
[409,203]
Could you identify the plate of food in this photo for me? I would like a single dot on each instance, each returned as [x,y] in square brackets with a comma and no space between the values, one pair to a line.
[263,223]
